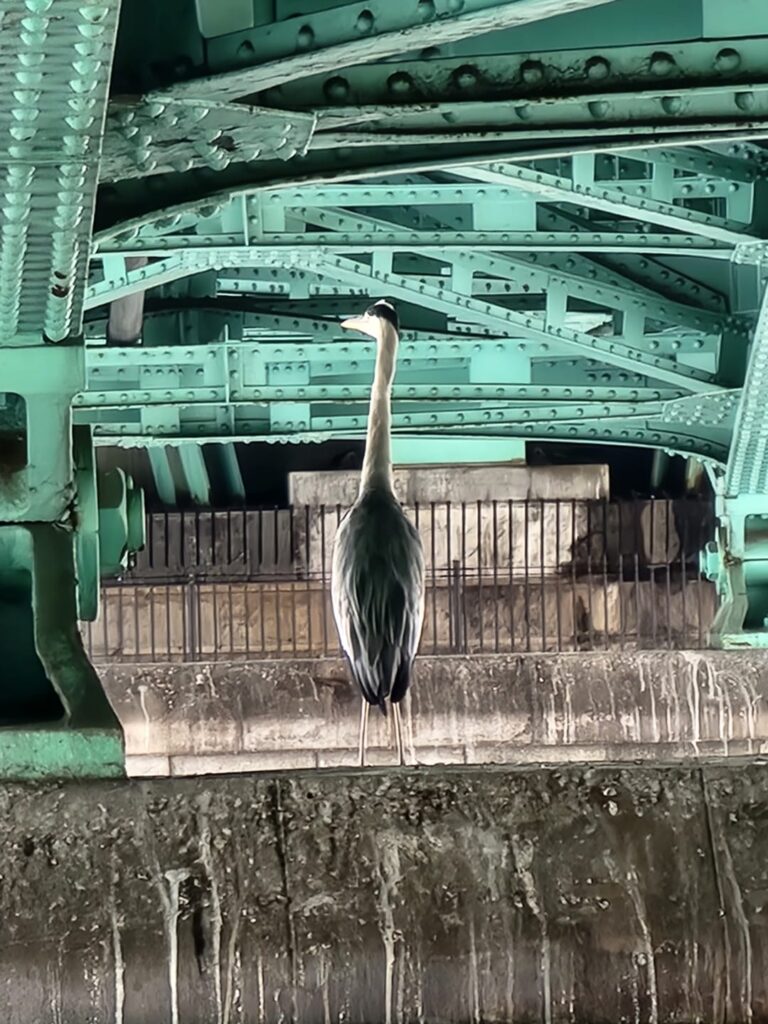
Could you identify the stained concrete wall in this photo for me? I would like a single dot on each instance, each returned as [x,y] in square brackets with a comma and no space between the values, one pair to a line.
[471,483]
[603,707]
[578,895]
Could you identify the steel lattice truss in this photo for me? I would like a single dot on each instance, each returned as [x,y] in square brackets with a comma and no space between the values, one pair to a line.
[565,197]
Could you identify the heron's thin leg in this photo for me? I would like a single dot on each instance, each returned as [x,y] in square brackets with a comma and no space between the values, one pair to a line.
[364,709]
[399,733]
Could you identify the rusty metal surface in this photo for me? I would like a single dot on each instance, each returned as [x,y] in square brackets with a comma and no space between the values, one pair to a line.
[572,895]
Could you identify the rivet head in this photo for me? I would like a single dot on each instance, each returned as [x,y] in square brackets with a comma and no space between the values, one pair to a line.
[532,72]
[364,22]
[305,37]
[336,89]
[728,59]
[745,100]
[597,68]
[662,64]
[399,84]
[465,77]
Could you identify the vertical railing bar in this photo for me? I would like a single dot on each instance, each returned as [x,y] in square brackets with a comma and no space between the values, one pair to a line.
[667,549]
[261,584]
[574,603]
[293,577]
[526,569]
[619,505]
[104,623]
[308,578]
[182,544]
[494,508]
[590,576]
[168,628]
[700,611]
[652,574]
[199,622]
[323,579]
[462,592]
[452,608]
[231,606]
[184,603]
[214,591]
[153,652]
[276,578]
[136,626]
[636,562]
[120,622]
[167,542]
[511,560]
[606,626]
[683,577]
[558,618]
[246,545]
[247,613]
[542,588]
[480,616]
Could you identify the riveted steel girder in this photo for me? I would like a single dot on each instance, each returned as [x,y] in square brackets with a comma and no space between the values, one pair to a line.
[54,75]
[344,36]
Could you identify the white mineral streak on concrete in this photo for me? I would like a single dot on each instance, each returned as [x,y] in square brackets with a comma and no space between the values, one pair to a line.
[737,905]
[571,988]
[233,955]
[324,972]
[650,686]
[632,886]
[474,974]
[418,973]
[54,972]
[169,897]
[147,724]
[119,964]
[635,983]
[523,851]
[260,989]
[569,726]
[509,989]
[387,859]
[217,923]
[693,660]
[401,965]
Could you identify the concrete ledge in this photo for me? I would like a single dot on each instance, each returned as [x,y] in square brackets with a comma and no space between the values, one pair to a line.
[190,719]
[499,895]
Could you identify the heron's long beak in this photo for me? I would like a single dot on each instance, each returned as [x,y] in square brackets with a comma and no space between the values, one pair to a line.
[355,323]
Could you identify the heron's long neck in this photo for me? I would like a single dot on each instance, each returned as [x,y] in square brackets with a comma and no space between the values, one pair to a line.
[377,464]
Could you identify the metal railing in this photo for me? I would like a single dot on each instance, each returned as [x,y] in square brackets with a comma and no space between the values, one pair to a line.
[502,576]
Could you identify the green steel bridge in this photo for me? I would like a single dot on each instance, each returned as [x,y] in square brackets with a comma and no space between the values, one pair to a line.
[568,200]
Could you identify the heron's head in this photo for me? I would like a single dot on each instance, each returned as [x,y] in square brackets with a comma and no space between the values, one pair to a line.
[375,320]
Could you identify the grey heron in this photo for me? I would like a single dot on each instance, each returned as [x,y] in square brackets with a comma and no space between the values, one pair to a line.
[377,578]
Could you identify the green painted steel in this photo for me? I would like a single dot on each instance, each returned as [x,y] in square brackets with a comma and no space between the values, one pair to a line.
[55,62]
[567,199]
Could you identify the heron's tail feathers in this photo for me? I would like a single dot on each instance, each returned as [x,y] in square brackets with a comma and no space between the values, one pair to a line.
[387,679]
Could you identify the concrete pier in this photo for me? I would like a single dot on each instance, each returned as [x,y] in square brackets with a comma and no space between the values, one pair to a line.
[452,895]
[602,707]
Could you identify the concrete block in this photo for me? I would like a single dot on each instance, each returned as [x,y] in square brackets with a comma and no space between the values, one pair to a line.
[500,894]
